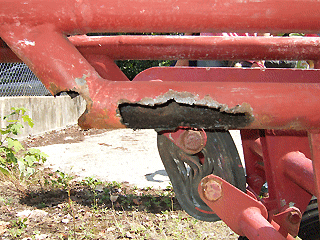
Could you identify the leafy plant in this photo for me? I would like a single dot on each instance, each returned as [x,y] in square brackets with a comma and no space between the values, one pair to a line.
[16,163]
[18,227]
[60,180]
[93,183]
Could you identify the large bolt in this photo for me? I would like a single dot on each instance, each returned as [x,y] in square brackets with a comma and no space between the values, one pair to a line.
[192,141]
[294,217]
[212,190]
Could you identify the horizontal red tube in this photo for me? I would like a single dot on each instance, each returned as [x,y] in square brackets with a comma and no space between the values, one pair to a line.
[174,47]
[255,226]
[221,48]
[74,17]
[271,104]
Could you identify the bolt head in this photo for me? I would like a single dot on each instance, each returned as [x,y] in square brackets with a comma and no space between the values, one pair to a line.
[193,140]
[212,190]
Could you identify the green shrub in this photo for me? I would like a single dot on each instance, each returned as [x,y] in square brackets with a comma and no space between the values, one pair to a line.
[16,163]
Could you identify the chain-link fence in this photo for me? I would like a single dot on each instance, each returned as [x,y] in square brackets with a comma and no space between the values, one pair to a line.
[16,79]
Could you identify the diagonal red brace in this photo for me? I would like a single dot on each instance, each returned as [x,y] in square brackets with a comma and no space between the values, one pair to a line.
[242,213]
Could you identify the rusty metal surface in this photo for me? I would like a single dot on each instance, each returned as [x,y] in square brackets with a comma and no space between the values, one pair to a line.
[271,105]
[289,220]
[173,114]
[190,140]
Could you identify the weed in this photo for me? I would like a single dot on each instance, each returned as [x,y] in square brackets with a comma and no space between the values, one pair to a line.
[115,184]
[59,180]
[17,227]
[148,188]
[16,164]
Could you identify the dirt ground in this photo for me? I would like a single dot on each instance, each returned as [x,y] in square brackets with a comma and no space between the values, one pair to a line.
[121,155]
[53,205]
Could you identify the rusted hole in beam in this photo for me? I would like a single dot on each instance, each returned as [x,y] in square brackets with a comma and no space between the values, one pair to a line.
[172,114]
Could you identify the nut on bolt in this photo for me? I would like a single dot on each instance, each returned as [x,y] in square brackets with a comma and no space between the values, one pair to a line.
[212,190]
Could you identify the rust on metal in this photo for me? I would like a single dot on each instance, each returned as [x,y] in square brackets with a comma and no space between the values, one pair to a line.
[175,109]
[295,217]
[212,189]
[192,140]
[289,220]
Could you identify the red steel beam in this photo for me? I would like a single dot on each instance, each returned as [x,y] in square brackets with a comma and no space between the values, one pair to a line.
[197,48]
[314,138]
[270,104]
[76,17]
[242,213]
[200,48]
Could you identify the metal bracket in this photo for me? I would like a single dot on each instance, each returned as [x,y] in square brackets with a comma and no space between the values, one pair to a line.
[242,213]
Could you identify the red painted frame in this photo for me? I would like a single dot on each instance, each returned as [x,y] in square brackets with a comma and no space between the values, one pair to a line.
[36,33]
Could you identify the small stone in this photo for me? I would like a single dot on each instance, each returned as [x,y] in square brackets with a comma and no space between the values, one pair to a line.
[99,188]
[24,214]
[111,229]
[41,236]
[66,220]
[37,215]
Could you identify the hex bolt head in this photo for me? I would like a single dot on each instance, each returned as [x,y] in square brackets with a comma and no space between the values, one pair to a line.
[212,190]
[192,140]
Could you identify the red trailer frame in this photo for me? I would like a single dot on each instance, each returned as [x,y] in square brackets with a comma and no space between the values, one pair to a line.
[277,110]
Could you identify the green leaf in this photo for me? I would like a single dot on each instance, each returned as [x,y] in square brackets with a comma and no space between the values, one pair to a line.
[3,132]
[16,128]
[17,110]
[3,161]
[5,171]
[11,158]
[30,160]
[37,154]
[15,144]
[28,120]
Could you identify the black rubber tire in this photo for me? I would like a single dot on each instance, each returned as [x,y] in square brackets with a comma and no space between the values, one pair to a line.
[310,227]
[222,159]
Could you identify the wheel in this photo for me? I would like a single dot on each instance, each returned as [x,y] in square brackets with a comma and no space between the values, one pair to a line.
[219,157]
[309,227]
